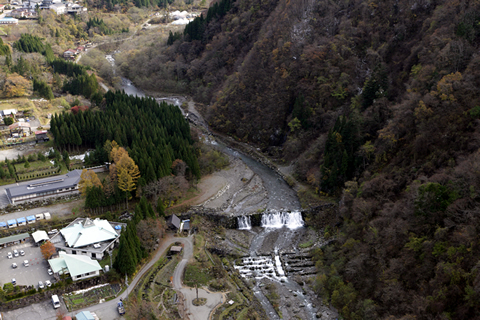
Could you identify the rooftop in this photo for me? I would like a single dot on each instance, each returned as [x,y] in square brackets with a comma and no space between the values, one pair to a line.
[88,232]
[13,238]
[176,248]
[75,264]
[89,235]
[68,180]
[174,220]
[39,236]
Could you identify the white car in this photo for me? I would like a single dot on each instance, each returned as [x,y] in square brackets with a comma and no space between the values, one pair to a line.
[48,283]
[15,253]
[14,282]
[25,263]
[14,265]
[50,272]
[9,255]
[40,285]
[22,253]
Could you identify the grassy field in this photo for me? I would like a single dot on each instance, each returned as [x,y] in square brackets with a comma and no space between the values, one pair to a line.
[198,271]
[195,274]
[37,169]
[34,166]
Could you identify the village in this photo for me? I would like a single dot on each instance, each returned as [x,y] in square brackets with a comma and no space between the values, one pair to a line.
[18,10]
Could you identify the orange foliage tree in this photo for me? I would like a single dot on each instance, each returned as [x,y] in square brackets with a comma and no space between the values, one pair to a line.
[48,250]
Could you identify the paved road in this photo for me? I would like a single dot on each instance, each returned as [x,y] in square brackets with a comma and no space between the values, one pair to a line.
[213,299]
[61,209]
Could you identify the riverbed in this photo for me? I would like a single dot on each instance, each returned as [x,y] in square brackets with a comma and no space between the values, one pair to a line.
[247,187]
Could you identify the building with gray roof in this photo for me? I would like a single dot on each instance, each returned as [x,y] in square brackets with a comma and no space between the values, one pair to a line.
[59,185]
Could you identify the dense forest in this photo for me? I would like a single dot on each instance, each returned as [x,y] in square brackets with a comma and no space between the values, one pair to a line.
[154,135]
[377,104]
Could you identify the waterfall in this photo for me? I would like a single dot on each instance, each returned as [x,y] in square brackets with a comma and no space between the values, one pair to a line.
[244,223]
[276,220]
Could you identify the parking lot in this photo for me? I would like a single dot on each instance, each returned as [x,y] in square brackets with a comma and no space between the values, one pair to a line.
[38,311]
[36,271]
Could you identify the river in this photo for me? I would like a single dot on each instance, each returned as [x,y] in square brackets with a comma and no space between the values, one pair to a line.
[282,225]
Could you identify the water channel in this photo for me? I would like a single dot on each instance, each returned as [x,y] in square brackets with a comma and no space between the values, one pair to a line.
[280,223]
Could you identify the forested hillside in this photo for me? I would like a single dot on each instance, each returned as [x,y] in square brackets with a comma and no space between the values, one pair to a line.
[377,103]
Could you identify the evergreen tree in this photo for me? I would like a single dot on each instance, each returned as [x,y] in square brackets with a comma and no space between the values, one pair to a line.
[160,207]
[125,261]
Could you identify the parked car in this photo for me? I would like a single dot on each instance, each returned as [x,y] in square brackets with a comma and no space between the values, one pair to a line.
[40,285]
[55,301]
[15,253]
[14,282]
[9,255]
[48,283]
[25,263]
[14,265]
[50,272]
[22,253]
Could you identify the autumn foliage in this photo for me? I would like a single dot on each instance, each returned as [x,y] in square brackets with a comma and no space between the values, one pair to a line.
[377,103]
[47,249]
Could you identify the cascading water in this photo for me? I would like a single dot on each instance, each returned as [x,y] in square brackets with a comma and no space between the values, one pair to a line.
[263,265]
[276,220]
[244,223]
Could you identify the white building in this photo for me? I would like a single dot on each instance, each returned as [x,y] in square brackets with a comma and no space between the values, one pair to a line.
[75,8]
[79,267]
[8,20]
[84,236]
[59,8]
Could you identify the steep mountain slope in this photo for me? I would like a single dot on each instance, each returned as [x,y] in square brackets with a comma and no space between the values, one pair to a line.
[377,102]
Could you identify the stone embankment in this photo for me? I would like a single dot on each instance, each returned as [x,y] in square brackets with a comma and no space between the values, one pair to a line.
[320,215]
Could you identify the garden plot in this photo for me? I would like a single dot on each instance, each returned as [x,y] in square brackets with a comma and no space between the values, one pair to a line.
[83,298]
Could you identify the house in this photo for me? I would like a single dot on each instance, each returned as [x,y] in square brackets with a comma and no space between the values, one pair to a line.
[84,236]
[41,136]
[21,129]
[173,222]
[69,54]
[32,4]
[9,112]
[75,8]
[77,266]
[59,8]
[176,249]
[80,49]
[60,185]
[22,13]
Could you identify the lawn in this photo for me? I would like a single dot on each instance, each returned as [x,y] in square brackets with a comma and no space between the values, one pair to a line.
[34,166]
[196,275]
[38,169]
